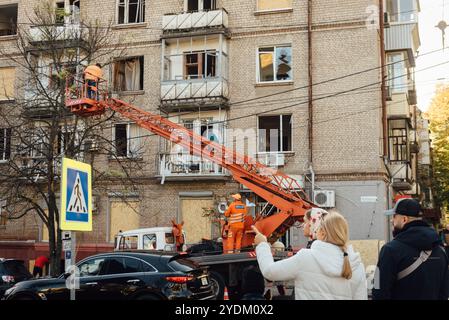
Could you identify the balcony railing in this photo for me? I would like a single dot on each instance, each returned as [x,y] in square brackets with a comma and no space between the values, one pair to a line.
[402,175]
[55,33]
[194,89]
[181,164]
[193,20]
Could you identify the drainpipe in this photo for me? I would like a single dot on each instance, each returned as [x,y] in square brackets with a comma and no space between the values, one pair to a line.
[310,95]
[384,110]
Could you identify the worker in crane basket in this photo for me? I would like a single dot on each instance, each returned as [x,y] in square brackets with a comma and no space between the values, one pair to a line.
[92,75]
[235,215]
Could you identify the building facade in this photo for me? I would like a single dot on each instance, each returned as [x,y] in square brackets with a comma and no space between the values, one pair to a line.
[295,84]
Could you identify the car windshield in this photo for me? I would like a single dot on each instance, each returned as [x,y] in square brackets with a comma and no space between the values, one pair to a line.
[16,268]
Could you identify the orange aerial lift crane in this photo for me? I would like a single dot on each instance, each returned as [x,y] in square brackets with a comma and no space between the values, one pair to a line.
[280,190]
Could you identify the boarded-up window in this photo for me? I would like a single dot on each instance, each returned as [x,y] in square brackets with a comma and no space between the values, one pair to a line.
[124,216]
[128,74]
[195,224]
[7,78]
[268,5]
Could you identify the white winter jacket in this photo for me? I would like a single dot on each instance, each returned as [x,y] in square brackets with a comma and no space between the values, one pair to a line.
[317,272]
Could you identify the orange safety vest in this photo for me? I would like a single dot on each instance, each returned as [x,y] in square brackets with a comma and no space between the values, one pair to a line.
[93,73]
[236,212]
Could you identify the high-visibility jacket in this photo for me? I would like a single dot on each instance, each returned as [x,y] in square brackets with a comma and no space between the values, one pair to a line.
[236,213]
[93,73]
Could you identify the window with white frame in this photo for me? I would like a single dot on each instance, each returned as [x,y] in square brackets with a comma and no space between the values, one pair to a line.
[127,140]
[130,11]
[200,5]
[402,10]
[200,65]
[275,133]
[5,144]
[275,64]
[274,5]
[400,74]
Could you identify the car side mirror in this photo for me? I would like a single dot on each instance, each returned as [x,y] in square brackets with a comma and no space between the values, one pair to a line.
[66,275]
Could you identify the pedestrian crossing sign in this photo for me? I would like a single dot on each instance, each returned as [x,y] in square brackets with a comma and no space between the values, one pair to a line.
[76,196]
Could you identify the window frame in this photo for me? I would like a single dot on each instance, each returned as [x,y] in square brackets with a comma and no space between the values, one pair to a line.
[141,59]
[126,13]
[16,19]
[397,17]
[128,155]
[200,6]
[3,88]
[393,144]
[281,143]
[3,216]
[7,139]
[258,79]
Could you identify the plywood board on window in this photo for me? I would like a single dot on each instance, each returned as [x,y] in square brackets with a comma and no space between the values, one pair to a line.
[124,216]
[7,78]
[195,225]
[263,5]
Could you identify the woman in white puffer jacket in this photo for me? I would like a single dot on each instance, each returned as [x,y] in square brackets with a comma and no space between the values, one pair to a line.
[329,270]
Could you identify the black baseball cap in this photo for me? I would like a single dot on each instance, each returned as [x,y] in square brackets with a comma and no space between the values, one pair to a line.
[406,207]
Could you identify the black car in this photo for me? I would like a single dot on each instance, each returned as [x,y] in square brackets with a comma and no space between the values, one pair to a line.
[12,271]
[124,275]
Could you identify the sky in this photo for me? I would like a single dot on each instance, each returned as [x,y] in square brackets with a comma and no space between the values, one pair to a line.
[432,12]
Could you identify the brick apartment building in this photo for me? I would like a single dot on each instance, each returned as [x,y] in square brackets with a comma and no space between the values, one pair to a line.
[218,67]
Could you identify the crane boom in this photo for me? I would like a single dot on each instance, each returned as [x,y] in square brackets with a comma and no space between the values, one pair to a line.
[282,191]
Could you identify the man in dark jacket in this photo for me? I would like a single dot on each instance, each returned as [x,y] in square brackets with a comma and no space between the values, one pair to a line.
[413,266]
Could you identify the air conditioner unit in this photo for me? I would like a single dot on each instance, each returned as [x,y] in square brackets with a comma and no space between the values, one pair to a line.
[90,145]
[324,198]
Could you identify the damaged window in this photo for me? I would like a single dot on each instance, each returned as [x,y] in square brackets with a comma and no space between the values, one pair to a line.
[127,137]
[275,64]
[200,65]
[201,5]
[131,11]
[128,74]
[7,79]
[8,20]
[398,140]
[5,144]
[275,133]
[72,15]
[272,5]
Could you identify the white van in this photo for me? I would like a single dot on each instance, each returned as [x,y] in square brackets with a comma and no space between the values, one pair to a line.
[160,238]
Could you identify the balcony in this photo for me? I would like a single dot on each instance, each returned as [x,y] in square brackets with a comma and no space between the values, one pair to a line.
[401,175]
[195,20]
[398,103]
[65,34]
[403,35]
[185,167]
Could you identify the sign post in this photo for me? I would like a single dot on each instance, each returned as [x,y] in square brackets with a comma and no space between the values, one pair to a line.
[76,212]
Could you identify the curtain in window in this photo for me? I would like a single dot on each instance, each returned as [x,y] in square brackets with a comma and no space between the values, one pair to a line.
[135,146]
[132,75]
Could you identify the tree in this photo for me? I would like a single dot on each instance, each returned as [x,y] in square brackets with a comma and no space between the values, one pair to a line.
[438,115]
[40,128]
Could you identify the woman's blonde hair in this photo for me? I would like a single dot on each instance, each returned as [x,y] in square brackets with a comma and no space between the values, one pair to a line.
[336,232]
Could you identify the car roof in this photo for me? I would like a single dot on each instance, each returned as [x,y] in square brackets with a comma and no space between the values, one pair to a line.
[145,230]
[137,253]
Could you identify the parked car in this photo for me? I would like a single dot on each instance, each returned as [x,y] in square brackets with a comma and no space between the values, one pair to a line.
[12,271]
[134,275]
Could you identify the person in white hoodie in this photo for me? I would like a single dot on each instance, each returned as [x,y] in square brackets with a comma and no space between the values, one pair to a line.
[329,270]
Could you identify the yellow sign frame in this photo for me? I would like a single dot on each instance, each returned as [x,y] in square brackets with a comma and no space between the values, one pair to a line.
[83,169]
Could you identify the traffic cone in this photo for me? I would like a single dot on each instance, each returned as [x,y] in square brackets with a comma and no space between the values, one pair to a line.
[225,295]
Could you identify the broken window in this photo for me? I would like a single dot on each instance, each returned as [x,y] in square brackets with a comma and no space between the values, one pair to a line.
[131,11]
[3,213]
[275,64]
[398,140]
[127,137]
[200,65]
[5,144]
[7,79]
[8,20]
[201,5]
[128,74]
[275,133]
[72,16]
[271,5]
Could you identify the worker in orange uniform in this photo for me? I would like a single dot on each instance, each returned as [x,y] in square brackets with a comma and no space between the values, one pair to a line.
[92,75]
[235,215]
